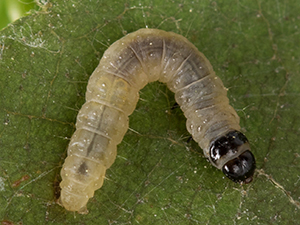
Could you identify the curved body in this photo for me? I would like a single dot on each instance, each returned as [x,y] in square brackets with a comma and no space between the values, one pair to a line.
[129,64]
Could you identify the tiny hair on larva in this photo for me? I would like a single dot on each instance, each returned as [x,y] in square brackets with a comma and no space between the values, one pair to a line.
[144,56]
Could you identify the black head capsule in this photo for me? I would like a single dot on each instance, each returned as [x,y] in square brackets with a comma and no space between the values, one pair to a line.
[231,152]
[241,168]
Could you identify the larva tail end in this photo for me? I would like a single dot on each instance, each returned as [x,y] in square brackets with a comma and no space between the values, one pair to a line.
[241,168]
[73,202]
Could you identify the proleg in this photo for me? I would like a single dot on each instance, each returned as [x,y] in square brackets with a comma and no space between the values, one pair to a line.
[129,64]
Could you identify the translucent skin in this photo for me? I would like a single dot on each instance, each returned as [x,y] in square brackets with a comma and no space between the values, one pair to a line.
[130,63]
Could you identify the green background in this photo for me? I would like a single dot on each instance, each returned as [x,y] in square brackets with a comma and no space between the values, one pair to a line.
[11,10]
[159,176]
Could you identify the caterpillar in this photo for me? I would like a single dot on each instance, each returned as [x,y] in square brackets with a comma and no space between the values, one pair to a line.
[130,63]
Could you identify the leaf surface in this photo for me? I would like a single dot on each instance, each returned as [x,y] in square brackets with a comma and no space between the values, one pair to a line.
[159,176]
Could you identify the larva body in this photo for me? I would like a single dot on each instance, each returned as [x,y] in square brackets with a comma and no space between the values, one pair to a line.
[130,63]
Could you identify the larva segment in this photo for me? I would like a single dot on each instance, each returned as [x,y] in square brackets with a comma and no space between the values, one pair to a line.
[112,93]
[98,118]
[111,90]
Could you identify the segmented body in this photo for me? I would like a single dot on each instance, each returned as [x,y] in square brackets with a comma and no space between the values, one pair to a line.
[141,57]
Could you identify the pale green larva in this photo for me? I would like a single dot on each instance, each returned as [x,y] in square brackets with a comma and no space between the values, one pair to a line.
[129,64]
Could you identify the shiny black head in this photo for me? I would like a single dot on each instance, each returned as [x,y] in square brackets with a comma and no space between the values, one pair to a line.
[241,168]
[233,152]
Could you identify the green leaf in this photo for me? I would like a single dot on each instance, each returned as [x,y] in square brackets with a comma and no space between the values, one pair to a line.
[159,177]
[11,10]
